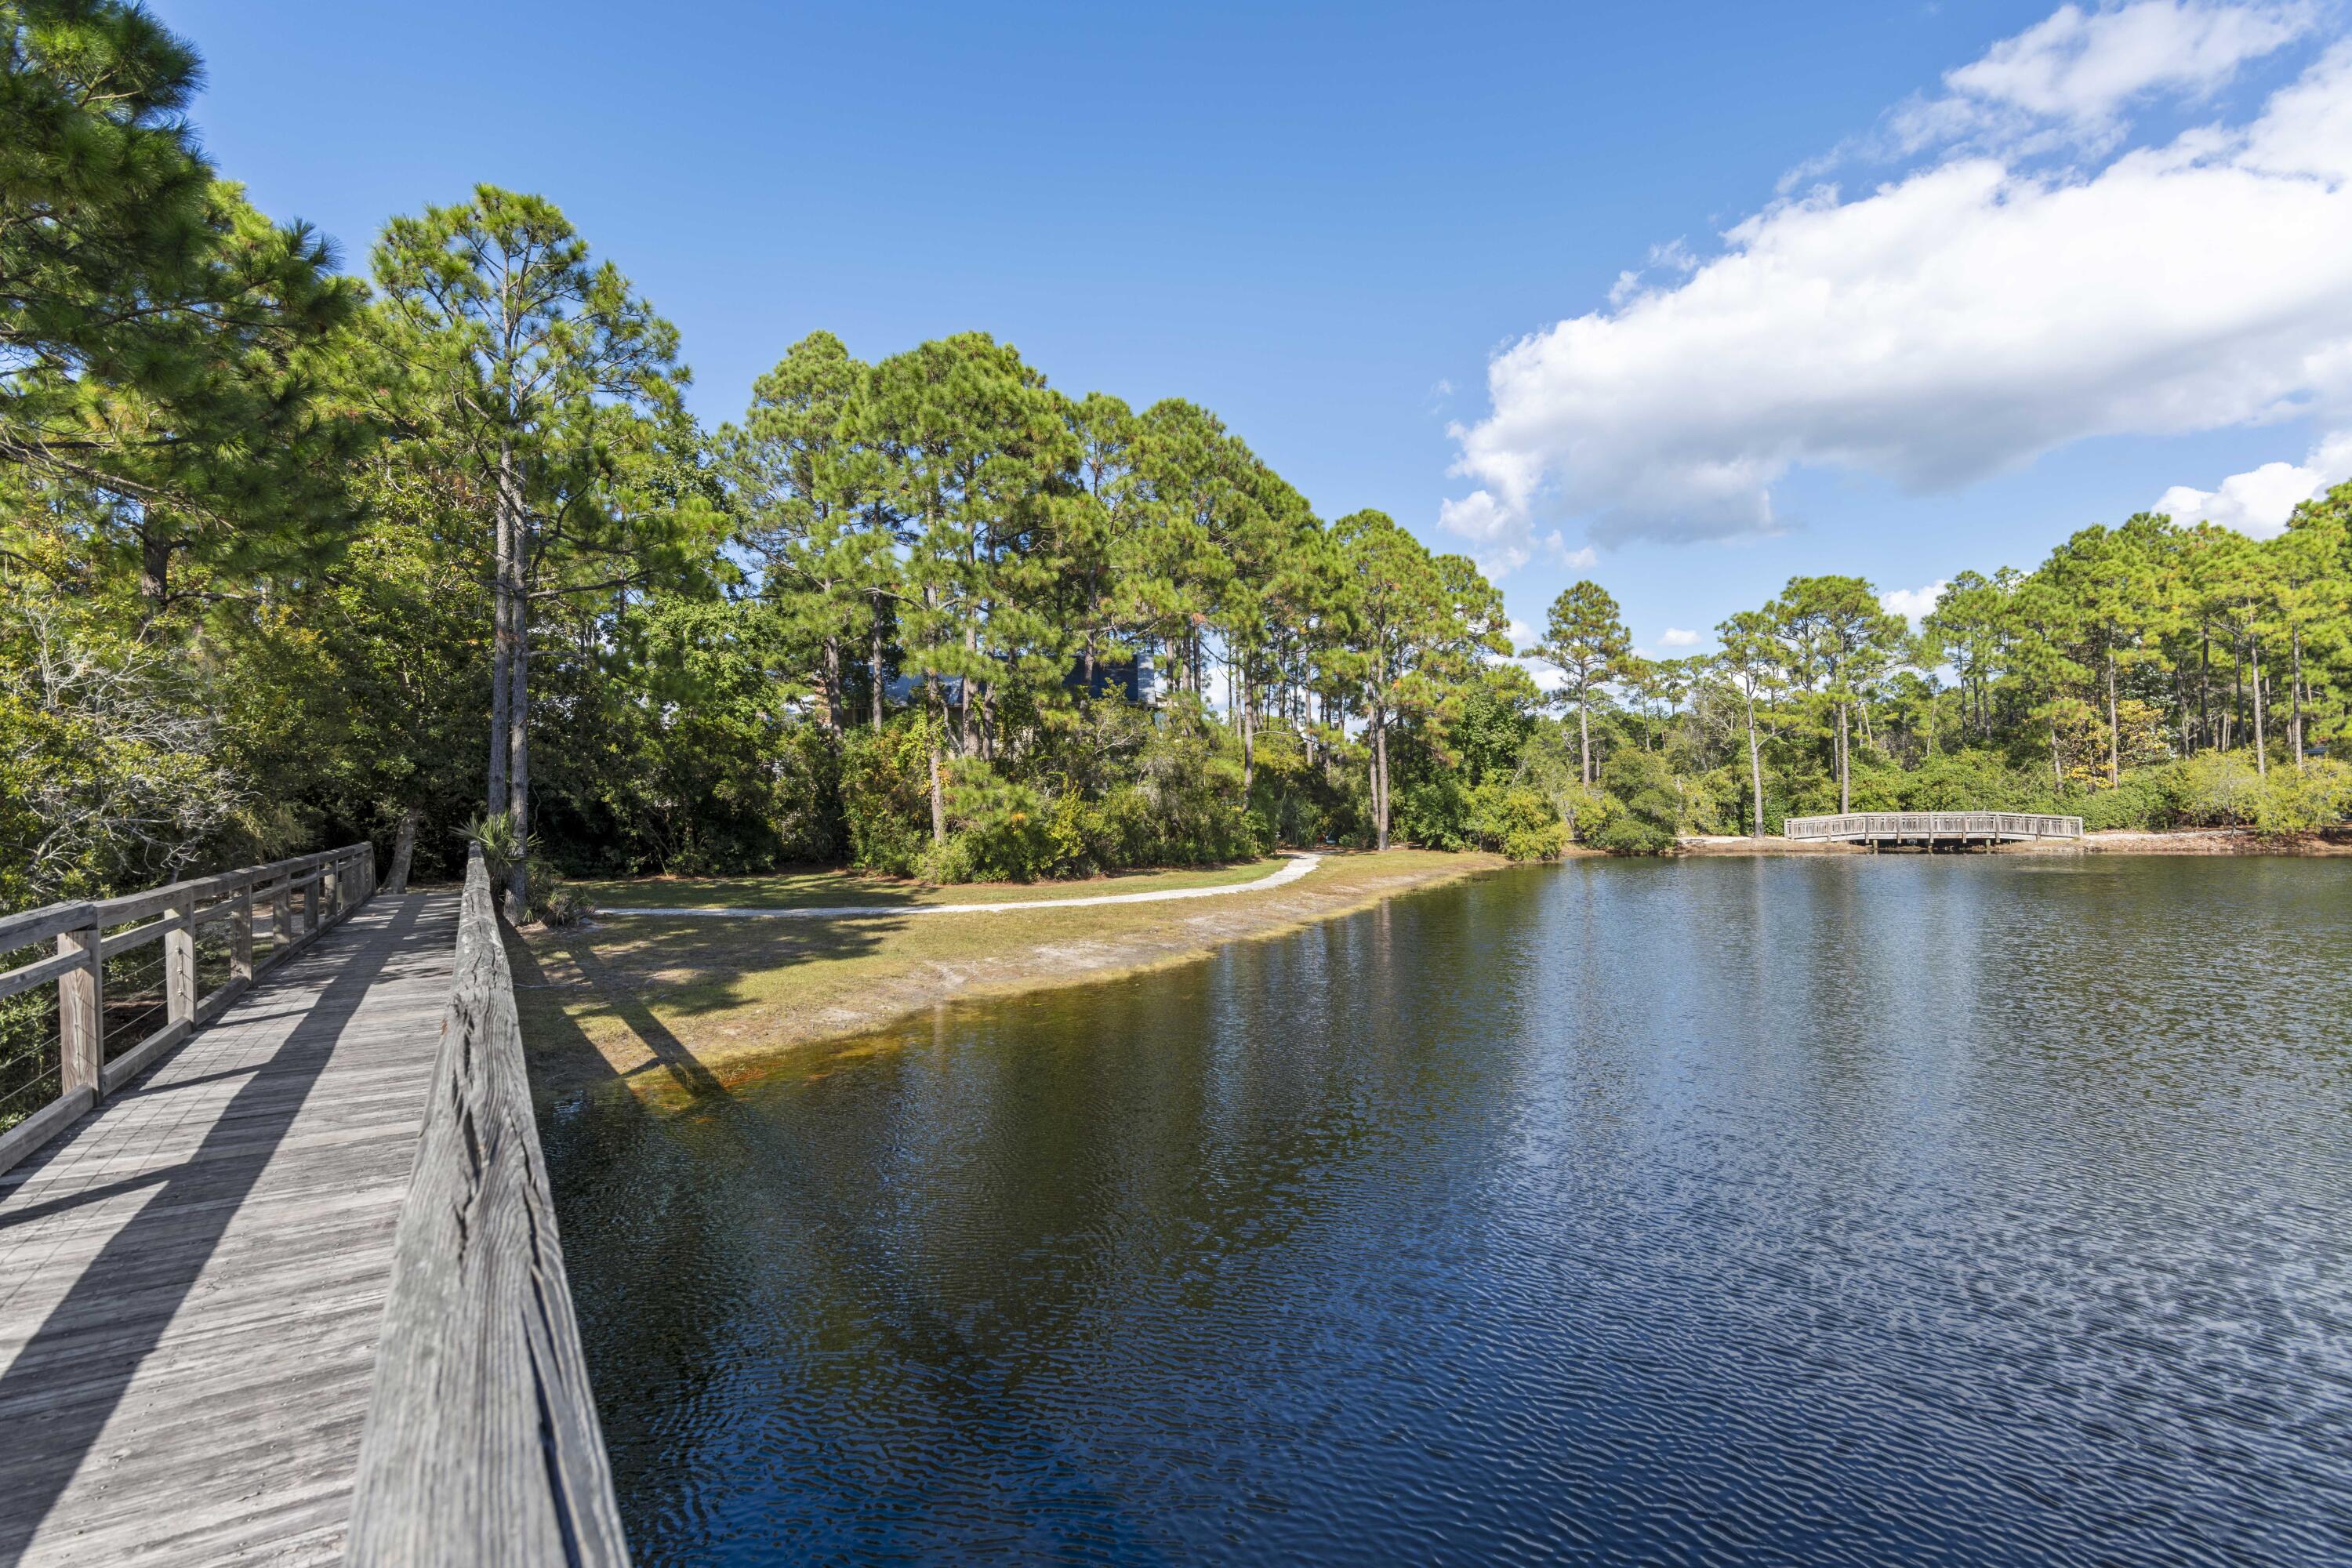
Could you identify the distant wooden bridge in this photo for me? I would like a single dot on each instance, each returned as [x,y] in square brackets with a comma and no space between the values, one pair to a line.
[1934,830]
[279,1280]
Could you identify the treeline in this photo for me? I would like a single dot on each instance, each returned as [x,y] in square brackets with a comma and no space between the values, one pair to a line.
[2143,676]
[291,557]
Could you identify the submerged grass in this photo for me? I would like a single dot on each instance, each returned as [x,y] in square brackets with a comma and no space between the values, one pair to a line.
[675,1006]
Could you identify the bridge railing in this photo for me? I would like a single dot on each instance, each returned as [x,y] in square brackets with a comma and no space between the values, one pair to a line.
[303,896]
[482,1443]
[1927,824]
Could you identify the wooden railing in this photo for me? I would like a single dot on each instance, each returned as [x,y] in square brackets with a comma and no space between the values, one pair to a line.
[1925,826]
[482,1443]
[323,888]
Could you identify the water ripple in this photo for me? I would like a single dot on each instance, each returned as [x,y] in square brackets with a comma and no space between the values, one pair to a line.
[1843,1211]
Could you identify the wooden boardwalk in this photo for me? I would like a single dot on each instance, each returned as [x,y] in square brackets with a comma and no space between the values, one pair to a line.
[193,1279]
[1949,829]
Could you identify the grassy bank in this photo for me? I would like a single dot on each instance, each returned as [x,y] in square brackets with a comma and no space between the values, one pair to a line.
[664,1005]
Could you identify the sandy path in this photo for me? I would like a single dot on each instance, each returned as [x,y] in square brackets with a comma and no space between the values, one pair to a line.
[1300,866]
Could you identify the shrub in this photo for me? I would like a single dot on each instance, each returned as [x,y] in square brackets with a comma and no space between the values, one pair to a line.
[494,835]
[1517,822]
[2214,790]
[2293,802]
[1963,781]
[1649,808]
[1000,828]
[2144,798]
[885,796]
[550,903]
[563,909]
[1434,813]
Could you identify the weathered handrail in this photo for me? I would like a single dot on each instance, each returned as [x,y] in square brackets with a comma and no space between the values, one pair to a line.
[328,887]
[1930,824]
[482,1443]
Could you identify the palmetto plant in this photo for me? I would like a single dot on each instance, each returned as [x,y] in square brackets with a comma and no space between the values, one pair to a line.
[495,836]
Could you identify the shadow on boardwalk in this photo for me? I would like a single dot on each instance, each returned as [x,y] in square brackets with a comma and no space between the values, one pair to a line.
[233,1411]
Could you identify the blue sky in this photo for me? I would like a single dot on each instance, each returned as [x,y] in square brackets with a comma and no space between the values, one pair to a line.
[1327,223]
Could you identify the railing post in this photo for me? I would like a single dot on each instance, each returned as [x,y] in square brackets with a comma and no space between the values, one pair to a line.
[81,1012]
[281,915]
[180,964]
[311,887]
[240,935]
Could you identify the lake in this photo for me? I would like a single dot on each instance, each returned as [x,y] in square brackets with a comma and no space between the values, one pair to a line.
[1868,1210]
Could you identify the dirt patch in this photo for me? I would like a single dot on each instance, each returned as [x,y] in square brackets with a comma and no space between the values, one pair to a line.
[2218,841]
[1723,844]
[667,1005]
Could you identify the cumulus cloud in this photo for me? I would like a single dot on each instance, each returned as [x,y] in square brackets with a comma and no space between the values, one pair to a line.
[1966,317]
[1674,636]
[2259,501]
[1913,603]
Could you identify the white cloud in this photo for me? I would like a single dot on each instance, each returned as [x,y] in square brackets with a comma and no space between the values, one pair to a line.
[1965,318]
[1674,636]
[2259,501]
[1583,559]
[1913,603]
[1501,540]
[2085,65]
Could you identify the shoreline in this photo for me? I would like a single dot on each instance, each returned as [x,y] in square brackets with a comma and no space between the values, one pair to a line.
[2110,841]
[667,1006]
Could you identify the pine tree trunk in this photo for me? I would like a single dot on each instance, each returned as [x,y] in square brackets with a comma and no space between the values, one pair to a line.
[874,662]
[1249,741]
[963,696]
[2294,694]
[2261,761]
[154,569]
[2115,739]
[1380,776]
[1584,739]
[501,630]
[833,715]
[2205,688]
[2233,721]
[519,754]
[938,789]
[1755,773]
[1844,769]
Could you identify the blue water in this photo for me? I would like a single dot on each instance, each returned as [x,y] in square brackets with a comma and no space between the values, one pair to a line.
[1855,1210]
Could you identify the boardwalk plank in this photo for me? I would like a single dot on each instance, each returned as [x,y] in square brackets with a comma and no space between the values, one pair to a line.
[191,1282]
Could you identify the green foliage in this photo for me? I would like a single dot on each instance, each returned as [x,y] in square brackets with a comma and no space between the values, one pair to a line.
[552,902]
[886,796]
[502,849]
[1516,821]
[1647,812]
[1434,813]
[870,620]
[2318,797]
